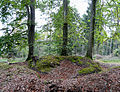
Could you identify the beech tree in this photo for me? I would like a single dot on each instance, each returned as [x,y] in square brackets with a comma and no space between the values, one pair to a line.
[65,28]
[20,26]
[92,27]
[31,28]
[12,13]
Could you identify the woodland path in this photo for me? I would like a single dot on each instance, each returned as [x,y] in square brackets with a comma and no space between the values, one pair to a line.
[107,65]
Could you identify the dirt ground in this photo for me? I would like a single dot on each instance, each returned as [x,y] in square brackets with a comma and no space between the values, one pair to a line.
[19,78]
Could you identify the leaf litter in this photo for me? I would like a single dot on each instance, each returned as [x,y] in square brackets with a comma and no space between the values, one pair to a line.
[19,78]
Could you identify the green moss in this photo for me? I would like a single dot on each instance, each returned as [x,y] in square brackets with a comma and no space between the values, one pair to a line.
[46,63]
[70,58]
[50,61]
[88,63]
[59,58]
[80,62]
[111,60]
[89,58]
[96,66]
[75,59]
[92,68]
[30,63]
[115,67]
[80,57]
[46,69]
[4,66]
[87,70]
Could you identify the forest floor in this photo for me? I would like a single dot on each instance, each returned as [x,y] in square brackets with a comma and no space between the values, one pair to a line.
[19,78]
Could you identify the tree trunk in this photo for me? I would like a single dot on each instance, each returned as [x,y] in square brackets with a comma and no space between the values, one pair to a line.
[92,27]
[111,46]
[65,29]
[31,28]
[98,45]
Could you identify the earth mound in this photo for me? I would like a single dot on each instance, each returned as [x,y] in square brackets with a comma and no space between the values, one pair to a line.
[59,74]
[71,65]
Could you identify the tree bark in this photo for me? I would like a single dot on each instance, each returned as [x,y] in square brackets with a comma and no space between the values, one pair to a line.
[98,45]
[65,29]
[31,28]
[111,46]
[92,27]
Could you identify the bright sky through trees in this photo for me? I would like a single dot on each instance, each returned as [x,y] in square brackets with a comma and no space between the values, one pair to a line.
[81,6]
[1,33]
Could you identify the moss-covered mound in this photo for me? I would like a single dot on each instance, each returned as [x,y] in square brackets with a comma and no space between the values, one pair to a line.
[47,63]
[88,66]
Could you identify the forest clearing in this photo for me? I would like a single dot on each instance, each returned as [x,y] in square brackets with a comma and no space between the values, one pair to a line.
[60,46]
